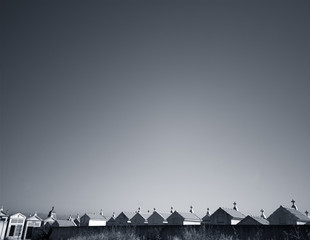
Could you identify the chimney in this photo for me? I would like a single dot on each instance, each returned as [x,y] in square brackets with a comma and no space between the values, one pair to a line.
[191,209]
[208,212]
[78,217]
[235,206]
[307,213]
[70,218]
[171,211]
[263,214]
[1,209]
[35,213]
[294,206]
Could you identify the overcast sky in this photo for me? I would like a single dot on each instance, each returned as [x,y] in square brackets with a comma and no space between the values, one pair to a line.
[126,104]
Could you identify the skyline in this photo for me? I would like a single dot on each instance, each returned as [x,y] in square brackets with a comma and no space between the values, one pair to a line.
[119,105]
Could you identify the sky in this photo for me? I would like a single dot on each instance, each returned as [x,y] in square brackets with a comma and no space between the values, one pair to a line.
[152,104]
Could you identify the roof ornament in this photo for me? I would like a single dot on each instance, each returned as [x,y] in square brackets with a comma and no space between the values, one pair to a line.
[307,213]
[52,213]
[154,209]
[139,209]
[78,216]
[70,218]
[191,209]
[113,215]
[263,214]
[35,213]
[235,206]
[208,212]
[294,206]
[101,212]
[171,211]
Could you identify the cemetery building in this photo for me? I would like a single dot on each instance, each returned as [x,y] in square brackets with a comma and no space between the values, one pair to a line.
[3,223]
[157,218]
[93,219]
[206,220]
[140,218]
[111,221]
[31,222]
[226,216]
[124,218]
[184,218]
[288,216]
[15,226]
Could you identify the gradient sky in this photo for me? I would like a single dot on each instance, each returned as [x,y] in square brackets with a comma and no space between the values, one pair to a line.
[126,104]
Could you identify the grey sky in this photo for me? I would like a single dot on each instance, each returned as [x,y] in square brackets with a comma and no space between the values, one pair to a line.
[117,104]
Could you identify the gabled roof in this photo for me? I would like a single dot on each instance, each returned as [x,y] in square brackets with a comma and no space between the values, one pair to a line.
[35,217]
[2,213]
[188,216]
[297,214]
[49,219]
[95,216]
[206,218]
[64,223]
[233,213]
[258,219]
[18,215]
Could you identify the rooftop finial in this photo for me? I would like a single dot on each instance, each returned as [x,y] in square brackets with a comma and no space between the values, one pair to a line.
[101,212]
[191,209]
[171,211]
[235,206]
[35,213]
[307,213]
[294,206]
[154,209]
[139,209]
[208,212]
[113,215]
[263,213]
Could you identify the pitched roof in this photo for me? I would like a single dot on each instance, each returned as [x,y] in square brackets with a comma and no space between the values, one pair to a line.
[189,216]
[18,215]
[64,223]
[34,218]
[50,219]
[260,220]
[234,213]
[297,214]
[95,216]
[2,213]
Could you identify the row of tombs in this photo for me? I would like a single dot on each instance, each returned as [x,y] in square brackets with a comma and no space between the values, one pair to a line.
[18,226]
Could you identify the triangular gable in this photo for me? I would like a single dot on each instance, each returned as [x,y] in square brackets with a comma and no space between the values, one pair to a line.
[233,213]
[18,215]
